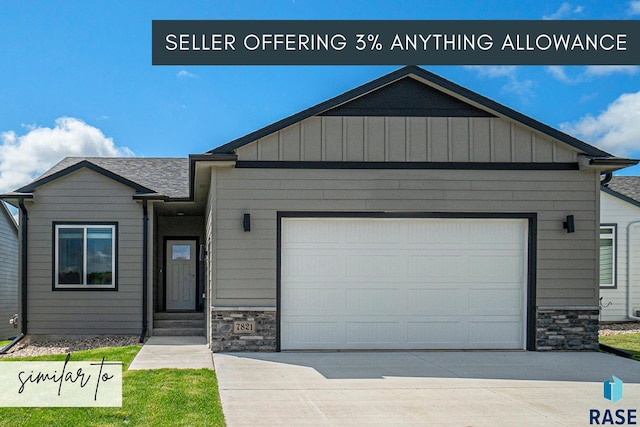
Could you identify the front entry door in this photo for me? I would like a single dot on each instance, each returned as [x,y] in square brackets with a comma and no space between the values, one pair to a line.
[181,274]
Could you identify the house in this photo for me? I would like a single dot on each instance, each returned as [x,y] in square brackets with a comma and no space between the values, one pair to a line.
[407,213]
[620,249]
[8,272]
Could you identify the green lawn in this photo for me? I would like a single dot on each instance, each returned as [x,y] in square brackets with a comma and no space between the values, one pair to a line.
[629,342]
[163,397]
[3,343]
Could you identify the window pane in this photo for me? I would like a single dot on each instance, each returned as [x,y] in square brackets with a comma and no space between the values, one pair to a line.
[606,231]
[181,252]
[70,262]
[99,256]
[606,262]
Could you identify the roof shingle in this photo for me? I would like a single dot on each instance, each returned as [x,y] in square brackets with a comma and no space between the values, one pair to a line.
[166,176]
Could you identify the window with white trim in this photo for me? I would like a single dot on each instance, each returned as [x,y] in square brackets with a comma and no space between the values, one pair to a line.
[608,256]
[85,256]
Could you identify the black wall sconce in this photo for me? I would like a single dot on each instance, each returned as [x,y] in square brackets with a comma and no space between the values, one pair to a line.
[569,224]
[246,222]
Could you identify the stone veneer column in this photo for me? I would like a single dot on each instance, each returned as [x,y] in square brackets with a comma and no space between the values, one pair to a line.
[567,328]
[223,339]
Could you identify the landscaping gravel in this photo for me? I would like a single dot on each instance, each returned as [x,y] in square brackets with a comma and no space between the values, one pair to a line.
[26,347]
[619,328]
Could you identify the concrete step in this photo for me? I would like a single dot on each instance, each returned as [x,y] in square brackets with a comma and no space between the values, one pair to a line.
[179,332]
[178,316]
[178,323]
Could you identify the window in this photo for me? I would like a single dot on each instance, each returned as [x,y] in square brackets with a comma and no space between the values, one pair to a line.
[608,256]
[85,256]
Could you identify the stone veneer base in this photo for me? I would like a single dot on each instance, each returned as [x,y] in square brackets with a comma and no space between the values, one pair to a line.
[224,340]
[567,329]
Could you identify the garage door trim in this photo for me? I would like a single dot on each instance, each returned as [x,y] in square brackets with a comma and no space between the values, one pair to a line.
[531,252]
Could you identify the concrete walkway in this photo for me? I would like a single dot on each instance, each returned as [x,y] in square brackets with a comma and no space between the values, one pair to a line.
[173,352]
[476,388]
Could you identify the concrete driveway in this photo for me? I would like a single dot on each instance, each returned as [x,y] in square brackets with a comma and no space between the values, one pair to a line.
[472,388]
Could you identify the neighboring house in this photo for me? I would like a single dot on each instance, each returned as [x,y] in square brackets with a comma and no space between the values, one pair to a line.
[8,272]
[408,213]
[620,249]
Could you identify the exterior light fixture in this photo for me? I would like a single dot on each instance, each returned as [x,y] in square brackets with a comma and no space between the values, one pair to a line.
[569,224]
[246,222]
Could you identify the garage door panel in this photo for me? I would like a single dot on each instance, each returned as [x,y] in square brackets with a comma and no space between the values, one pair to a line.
[373,266]
[439,334]
[403,283]
[441,266]
[314,266]
[490,302]
[312,301]
[506,332]
[311,334]
[496,267]
[364,334]
[434,301]
[365,301]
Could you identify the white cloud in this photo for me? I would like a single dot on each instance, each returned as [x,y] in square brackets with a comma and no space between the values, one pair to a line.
[617,129]
[565,10]
[607,70]
[590,72]
[634,8]
[24,157]
[184,74]
[514,84]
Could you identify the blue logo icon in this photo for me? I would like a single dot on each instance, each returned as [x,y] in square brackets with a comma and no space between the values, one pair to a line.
[613,389]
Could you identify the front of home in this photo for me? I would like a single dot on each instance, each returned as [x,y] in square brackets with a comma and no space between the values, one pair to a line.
[408,213]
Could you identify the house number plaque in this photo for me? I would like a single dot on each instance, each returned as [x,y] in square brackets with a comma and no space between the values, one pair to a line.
[244,327]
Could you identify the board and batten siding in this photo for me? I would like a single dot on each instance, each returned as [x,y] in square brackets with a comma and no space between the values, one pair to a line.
[410,139]
[623,214]
[8,274]
[245,269]
[81,196]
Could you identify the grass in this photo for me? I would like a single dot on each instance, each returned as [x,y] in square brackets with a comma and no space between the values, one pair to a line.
[162,397]
[3,343]
[629,342]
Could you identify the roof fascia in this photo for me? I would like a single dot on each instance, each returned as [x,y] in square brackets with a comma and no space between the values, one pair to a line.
[426,77]
[92,166]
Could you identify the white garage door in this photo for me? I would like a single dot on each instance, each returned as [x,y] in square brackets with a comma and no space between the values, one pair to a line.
[409,283]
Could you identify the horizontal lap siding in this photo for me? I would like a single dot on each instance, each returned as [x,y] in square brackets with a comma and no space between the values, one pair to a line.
[615,211]
[411,139]
[246,261]
[8,275]
[85,196]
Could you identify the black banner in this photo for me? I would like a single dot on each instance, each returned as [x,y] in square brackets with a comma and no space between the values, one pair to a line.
[395,42]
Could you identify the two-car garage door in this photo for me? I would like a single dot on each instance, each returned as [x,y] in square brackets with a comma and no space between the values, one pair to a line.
[403,283]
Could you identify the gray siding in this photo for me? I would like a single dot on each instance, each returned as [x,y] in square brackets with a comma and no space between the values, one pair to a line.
[245,269]
[616,211]
[411,139]
[84,196]
[8,274]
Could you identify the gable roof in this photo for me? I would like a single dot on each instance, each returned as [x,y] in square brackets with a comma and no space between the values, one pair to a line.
[168,177]
[476,102]
[625,188]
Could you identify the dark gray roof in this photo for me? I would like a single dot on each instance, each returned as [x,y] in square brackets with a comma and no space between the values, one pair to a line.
[165,176]
[625,187]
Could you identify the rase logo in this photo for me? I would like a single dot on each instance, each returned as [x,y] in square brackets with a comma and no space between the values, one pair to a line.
[613,393]
[613,389]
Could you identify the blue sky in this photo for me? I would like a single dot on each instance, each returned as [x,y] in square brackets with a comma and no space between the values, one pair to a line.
[76,79]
